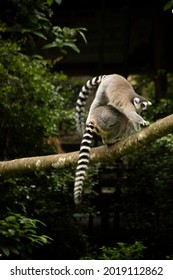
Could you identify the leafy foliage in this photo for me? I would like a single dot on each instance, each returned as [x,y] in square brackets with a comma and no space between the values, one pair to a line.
[65,37]
[28,20]
[49,198]
[147,195]
[35,103]
[19,235]
[31,102]
[121,252]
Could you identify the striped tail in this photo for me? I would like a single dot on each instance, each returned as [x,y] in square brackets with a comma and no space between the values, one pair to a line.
[83,161]
[82,98]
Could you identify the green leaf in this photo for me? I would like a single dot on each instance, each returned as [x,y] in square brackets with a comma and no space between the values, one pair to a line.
[82,35]
[6,251]
[72,46]
[39,34]
[81,31]
[11,232]
[10,218]
[42,239]
[26,30]
[29,231]
[50,2]
[15,251]
[168,6]
[51,45]
[58,1]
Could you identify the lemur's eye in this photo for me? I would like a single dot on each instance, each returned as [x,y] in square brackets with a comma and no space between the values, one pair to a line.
[142,105]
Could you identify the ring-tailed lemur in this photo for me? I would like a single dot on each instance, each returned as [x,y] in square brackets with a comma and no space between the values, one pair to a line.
[116,91]
[111,125]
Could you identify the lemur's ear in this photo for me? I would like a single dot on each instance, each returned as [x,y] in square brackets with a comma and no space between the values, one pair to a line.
[136,100]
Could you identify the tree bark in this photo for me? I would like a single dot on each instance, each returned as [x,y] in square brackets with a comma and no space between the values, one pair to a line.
[98,154]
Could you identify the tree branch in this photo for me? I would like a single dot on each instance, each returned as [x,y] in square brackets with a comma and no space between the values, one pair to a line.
[99,154]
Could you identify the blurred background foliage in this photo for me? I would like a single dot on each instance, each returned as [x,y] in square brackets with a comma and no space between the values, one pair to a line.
[38,219]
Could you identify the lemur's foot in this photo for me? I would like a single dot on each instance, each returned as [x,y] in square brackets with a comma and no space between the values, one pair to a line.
[145,123]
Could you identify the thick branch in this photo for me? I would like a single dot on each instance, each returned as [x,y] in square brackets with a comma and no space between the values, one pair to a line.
[99,154]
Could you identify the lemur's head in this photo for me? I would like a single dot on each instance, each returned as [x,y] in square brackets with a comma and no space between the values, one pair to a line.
[141,104]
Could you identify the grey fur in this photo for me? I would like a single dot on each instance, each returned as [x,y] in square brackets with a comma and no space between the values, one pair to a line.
[111,125]
[116,91]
